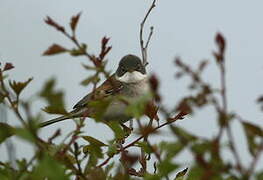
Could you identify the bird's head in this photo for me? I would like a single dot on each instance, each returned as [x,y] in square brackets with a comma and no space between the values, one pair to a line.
[131,70]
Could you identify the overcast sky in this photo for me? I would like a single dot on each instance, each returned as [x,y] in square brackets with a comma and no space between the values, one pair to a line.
[182,28]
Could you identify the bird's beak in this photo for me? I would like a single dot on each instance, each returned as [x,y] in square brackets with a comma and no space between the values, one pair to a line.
[130,70]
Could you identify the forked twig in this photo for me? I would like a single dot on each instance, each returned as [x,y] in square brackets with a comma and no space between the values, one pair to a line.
[145,47]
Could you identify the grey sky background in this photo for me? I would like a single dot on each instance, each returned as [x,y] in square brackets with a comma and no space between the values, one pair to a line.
[182,28]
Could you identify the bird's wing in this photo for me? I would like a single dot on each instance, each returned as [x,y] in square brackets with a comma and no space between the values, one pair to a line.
[109,87]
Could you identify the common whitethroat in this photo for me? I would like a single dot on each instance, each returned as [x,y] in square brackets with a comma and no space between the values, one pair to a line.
[130,82]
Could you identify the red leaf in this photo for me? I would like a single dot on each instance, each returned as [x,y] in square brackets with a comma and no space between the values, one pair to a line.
[104,48]
[54,24]
[129,159]
[74,21]
[8,66]
[220,41]
[19,86]
[154,82]
[151,111]
[54,49]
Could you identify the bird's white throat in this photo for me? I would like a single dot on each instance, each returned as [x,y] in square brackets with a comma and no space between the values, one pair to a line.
[132,77]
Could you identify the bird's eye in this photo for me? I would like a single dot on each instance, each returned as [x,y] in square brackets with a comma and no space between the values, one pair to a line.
[138,67]
[123,69]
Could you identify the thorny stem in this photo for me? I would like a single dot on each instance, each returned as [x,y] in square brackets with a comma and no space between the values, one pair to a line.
[144,48]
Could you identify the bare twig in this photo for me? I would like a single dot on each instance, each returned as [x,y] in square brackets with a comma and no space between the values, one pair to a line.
[225,112]
[145,47]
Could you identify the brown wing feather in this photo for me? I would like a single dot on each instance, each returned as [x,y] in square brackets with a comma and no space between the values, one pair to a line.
[109,87]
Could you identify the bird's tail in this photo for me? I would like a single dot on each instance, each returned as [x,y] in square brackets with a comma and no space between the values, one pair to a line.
[55,120]
[73,114]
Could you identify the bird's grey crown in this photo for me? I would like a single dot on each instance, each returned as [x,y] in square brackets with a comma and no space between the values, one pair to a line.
[130,63]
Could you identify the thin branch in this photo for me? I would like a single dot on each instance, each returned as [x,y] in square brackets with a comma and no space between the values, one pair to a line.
[105,162]
[169,121]
[255,160]
[149,37]
[144,48]
[225,111]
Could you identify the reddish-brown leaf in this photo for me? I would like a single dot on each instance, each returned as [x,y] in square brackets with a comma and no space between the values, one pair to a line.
[54,24]
[154,82]
[54,49]
[104,47]
[220,41]
[151,111]
[19,86]
[128,158]
[202,65]
[8,66]
[74,22]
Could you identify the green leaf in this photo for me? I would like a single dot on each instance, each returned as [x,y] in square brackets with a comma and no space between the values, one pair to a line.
[166,167]
[5,131]
[54,98]
[201,147]
[184,136]
[92,162]
[22,164]
[181,174]
[97,174]
[259,175]
[145,146]
[2,97]
[54,110]
[152,176]
[48,168]
[54,49]
[94,148]
[117,130]
[25,134]
[91,79]
[19,86]
[112,150]
[252,132]
[93,141]
[7,172]
[78,52]
[171,149]
[195,172]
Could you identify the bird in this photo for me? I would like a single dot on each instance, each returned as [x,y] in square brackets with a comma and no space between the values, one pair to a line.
[130,82]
